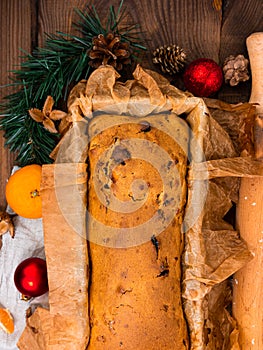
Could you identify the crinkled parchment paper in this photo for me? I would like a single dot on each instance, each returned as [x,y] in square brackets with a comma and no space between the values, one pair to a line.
[220,152]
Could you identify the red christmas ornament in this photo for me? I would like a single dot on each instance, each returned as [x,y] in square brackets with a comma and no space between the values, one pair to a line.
[203,77]
[31,277]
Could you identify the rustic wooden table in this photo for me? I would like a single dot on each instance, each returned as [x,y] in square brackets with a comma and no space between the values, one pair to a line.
[204,28]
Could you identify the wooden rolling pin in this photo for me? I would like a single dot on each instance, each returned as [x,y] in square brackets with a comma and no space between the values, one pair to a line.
[248,282]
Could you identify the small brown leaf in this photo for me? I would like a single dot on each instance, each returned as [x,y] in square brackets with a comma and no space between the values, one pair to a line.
[48,105]
[57,115]
[49,125]
[36,114]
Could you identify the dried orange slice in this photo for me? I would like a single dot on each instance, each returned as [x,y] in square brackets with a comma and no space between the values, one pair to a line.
[6,321]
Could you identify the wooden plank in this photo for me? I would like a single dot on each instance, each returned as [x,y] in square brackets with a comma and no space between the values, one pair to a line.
[192,25]
[16,23]
[56,16]
[240,19]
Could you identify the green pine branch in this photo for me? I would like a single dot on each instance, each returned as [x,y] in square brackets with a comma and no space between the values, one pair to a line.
[53,70]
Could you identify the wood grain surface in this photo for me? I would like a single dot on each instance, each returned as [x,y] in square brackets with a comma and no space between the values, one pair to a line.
[206,28]
[16,24]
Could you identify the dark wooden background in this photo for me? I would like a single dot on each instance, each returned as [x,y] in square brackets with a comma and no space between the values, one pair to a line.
[204,28]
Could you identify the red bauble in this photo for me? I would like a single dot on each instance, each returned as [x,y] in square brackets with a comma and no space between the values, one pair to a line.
[203,77]
[31,277]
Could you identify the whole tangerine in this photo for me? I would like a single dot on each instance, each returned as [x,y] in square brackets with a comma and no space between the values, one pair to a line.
[23,192]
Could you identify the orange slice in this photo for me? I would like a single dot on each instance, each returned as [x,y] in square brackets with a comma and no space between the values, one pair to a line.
[6,321]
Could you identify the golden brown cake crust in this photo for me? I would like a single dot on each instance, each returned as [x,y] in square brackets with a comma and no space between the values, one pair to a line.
[135,293]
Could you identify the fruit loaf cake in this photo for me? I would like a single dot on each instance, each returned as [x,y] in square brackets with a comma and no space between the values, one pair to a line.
[135,252]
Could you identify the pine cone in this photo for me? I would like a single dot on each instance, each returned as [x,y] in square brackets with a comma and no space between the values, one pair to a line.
[109,50]
[235,69]
[170,58]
